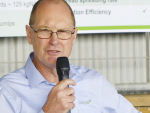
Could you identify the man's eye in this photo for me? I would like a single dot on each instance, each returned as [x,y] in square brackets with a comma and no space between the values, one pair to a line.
[60,31]
[45,30]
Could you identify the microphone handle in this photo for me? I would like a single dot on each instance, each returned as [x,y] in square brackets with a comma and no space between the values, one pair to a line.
[65,76]
[69,111]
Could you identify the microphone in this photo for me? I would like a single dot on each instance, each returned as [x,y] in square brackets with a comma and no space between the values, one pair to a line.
[63,68]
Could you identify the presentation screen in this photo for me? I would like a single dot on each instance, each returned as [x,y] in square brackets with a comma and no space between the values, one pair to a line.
[92,16]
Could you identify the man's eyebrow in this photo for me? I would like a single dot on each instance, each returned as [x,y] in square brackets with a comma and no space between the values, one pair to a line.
[62,29]
[46,27]
[43,26]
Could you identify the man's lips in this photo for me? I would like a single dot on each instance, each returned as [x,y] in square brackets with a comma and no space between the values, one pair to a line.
[53,51]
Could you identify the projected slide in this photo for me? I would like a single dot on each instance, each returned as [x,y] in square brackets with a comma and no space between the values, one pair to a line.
[92,16]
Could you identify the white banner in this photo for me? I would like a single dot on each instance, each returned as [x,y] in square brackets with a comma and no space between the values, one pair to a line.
[92,16]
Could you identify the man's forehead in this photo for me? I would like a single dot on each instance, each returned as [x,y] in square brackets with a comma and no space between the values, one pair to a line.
[53,12]
[57,24]
[47,6]
[50,7]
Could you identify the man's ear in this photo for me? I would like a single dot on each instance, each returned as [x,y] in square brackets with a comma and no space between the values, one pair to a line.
[75,35]
[28,31]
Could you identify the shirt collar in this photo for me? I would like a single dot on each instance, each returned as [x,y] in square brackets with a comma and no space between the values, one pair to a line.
[73,72]
[33,75]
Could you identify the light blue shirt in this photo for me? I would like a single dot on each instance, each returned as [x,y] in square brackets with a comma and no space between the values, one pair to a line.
[26,90]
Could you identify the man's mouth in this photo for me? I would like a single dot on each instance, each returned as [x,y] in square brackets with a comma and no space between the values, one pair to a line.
[53,51]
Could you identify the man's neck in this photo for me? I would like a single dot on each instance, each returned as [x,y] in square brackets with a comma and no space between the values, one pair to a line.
[49,73]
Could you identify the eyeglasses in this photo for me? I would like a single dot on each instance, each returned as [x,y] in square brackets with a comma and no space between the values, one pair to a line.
[61,34]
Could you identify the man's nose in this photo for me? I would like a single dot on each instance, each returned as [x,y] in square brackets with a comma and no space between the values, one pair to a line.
[53,39]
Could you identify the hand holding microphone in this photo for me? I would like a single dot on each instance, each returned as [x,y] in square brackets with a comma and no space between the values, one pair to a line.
[60,99]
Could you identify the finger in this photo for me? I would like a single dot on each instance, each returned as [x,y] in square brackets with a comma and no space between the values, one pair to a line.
[71,99]
[71,105]
[67,102]
[64,83]
[69,91]
[68,99]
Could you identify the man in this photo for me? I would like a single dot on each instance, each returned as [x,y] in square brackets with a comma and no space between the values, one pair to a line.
[35,87]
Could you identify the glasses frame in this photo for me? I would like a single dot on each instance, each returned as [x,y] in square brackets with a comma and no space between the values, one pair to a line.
[54,32]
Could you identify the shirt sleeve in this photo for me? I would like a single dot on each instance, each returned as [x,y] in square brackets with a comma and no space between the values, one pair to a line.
[6,102]
[113,102]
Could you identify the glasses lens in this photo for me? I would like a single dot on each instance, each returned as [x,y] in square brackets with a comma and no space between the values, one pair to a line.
[44,33]
[64,34]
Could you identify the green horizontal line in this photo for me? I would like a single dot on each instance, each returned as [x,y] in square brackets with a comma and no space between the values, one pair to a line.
[113,27]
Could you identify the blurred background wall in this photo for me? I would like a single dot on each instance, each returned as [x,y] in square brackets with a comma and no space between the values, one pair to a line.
[122,58]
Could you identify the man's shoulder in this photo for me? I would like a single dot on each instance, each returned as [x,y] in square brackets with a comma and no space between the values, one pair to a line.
[10,86]
[82,69]
[14,77]
[85,71]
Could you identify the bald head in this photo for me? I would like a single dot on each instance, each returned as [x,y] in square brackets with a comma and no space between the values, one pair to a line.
[35,7]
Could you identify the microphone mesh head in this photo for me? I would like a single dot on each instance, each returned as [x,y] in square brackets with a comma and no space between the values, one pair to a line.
[62,62]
